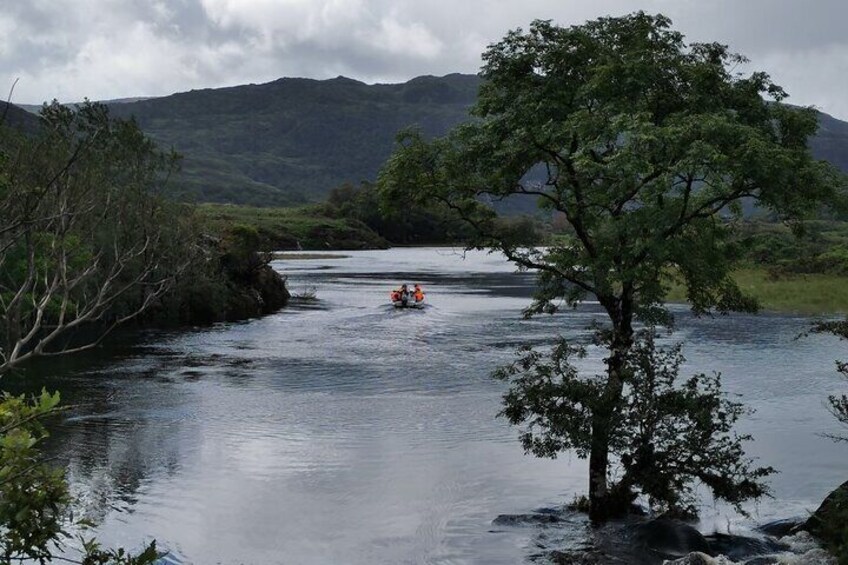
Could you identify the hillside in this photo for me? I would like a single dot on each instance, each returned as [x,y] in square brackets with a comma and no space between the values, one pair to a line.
[18,118]
[293,140]
[831,141]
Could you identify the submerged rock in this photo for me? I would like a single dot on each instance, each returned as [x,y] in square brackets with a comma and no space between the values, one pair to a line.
[527,519]
[669,539]
[698,558]
[739,548]
[780,528]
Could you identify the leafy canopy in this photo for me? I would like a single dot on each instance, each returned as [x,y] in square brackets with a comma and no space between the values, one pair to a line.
[667,436]
[646,146]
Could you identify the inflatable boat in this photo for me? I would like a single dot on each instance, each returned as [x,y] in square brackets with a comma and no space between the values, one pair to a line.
[406,300]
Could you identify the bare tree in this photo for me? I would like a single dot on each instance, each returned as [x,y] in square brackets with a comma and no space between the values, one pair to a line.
[86,241]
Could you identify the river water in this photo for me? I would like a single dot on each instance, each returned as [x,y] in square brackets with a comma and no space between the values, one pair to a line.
[341,430]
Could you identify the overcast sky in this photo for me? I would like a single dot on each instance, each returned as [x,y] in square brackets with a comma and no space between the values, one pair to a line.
[104,49]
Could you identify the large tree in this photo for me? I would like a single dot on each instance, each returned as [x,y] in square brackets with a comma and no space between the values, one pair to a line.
[647,147]
[87,241]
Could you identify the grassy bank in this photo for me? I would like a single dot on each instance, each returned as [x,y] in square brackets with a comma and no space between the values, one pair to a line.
[801,293]
[293,228]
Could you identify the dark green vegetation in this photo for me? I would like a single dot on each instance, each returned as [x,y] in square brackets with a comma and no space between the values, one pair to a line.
[645,145]
[657,429]
[304,227]
[352,217]
[89,241]
[293,140]
[791,271]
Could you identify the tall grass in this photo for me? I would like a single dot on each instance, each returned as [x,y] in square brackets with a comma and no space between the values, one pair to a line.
[800,293]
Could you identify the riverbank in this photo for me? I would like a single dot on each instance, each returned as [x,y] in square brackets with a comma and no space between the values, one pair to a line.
[301,228]
[811,294]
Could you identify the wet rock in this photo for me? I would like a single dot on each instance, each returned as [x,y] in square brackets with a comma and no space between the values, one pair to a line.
[739,548]
[527,519]
[669,539]
[780,528]
[769,560]
[829,523]
[696,558]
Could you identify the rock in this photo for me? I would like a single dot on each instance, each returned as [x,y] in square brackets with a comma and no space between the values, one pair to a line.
[527,519]
[830,522]
[780,528]
[271,287]
[572,558]
[770,560]
[668,538]
[738,548]
[696,558]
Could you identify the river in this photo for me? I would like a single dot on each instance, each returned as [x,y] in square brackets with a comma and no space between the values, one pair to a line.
[341,430]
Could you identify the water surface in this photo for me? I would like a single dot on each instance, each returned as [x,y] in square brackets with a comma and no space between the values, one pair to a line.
[342,430]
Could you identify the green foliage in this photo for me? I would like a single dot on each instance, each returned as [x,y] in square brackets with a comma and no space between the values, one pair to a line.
[399,224]
[88,239]
[96,555]
[667,436]
[34,498]
[813,247]
[293,228]
[647,148]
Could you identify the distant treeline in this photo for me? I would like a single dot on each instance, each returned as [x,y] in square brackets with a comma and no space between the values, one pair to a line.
[355,217]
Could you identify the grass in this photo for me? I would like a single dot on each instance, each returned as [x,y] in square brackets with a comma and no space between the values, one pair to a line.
[300,228]
[799,293]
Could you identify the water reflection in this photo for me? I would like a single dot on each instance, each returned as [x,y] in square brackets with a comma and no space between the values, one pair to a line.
[343,430]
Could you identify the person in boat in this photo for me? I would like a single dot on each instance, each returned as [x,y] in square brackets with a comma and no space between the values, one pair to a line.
[417,293]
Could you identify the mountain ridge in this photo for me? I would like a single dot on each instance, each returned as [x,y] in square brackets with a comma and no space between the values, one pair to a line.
[292,140]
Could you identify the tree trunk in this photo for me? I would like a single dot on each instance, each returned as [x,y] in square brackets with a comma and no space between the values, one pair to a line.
[598,467]
[602,504]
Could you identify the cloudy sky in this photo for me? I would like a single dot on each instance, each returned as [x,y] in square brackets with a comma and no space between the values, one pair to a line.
[103,49]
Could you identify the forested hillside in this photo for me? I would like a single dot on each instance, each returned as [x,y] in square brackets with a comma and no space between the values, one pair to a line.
[293,140]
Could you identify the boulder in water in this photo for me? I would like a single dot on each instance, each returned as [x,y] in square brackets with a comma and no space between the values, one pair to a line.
[830,522]
[670,539]
[696,558]
[780,528]
[527,519]
[738,548]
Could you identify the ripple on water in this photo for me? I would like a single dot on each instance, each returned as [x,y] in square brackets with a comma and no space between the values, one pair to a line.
[343,430]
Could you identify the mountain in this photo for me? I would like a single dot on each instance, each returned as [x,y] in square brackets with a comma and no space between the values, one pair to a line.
[293,140]
[36,108]
[18,118]
[831,141]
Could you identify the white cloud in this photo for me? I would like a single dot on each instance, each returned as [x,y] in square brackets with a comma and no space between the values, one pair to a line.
[116,48]
[406,39]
